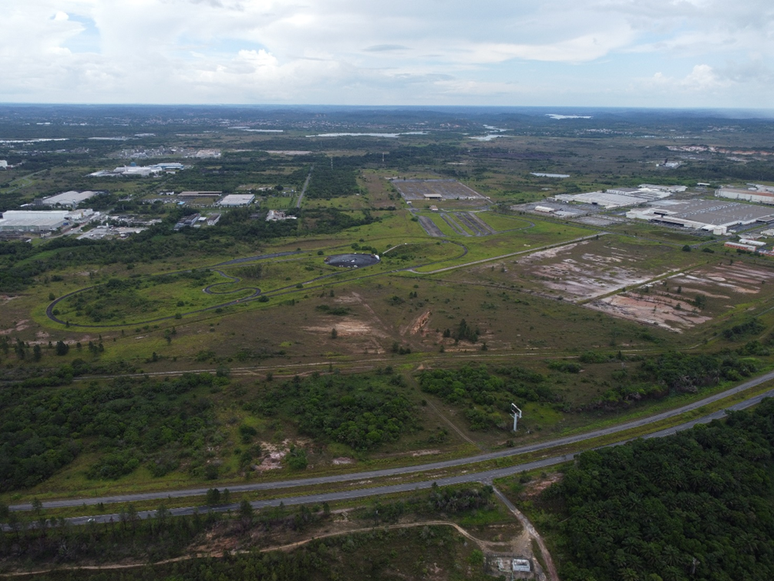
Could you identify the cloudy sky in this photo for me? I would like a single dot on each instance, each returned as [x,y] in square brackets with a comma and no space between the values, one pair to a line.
[651,53]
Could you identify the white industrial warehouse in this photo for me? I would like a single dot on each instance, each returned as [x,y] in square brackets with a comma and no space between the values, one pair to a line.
[752,193]
[137,170]
[233,200]
[17,221]
[622,197]
[68,199]
[715,216]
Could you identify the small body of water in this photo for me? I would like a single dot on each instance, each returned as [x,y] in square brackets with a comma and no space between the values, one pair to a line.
[550,175]
[556,116]
[391,135]
[38,140]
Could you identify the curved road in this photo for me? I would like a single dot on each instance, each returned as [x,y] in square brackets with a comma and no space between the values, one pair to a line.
[210,290]
[465,478]
[448,463]
[50,309]
[493,258]
[276,292]
[284,290]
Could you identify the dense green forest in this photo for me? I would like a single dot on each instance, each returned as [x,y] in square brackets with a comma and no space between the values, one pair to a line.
[362,412]
[697,505]
[238,169]
[129,421]
[675,372]
[332,182]
[484,393]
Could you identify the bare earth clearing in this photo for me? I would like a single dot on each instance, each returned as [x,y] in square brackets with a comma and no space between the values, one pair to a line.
[670,304]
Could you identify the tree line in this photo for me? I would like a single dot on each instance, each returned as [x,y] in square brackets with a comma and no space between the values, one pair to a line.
[361,411]
[128,422]
[697,505]
[487,394]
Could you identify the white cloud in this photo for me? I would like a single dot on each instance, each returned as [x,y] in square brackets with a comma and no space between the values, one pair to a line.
[573,50]
[701,78]
[403,51]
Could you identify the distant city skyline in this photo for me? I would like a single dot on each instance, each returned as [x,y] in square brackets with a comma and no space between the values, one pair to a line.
[613,53]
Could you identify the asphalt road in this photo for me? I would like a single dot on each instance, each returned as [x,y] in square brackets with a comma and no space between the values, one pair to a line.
[472,225]
[470,460]
[453,225]
[276,292]
[493,258]
[356,493]
[429,227]
[52,306]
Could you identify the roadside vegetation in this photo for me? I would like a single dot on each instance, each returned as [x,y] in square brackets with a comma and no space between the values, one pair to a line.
[697,505]
[220,354]
[129,539]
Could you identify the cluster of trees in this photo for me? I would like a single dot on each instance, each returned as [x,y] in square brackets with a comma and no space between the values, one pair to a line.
[363,412]
[53,540]
[446,500]
[486,394]
[23,349]
[21,264]
[128,422]
[375,554]
[331,220]
[676,372]
[333,182]
[234,170]
[751,327]
[15,272]
[697,505]
[431,154]
[565,366]
[364,248]
[329,310]
[64,374]
[463,332]
[717,171]
[481,386]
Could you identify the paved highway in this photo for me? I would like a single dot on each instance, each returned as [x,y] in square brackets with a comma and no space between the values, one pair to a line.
[462,478]
[337,478]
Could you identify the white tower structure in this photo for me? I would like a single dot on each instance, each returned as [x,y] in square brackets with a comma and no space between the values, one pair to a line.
[516,413]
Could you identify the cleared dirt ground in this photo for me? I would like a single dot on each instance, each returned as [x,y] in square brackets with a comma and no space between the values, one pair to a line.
[671,304]
[586,270]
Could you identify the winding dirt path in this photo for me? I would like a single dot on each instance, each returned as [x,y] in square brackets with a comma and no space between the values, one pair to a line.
[551,572]
[286,547]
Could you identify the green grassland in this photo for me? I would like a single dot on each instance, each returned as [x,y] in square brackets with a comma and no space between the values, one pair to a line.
[278,202]
[406,313]
[143,300]
[503,222]
[489,247]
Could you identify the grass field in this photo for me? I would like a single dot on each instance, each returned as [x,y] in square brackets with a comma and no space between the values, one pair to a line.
[278,202]
[631,289]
